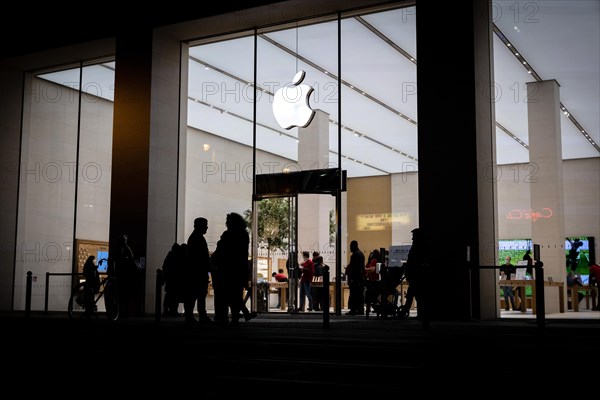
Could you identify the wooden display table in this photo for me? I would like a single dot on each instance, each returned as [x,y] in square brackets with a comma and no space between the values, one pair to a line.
[283,286]
[590,291]
[523,283]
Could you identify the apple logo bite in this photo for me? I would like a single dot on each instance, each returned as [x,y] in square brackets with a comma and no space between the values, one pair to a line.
[290,105]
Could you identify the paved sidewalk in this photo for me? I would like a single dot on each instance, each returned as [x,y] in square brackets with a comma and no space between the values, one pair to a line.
[276,352]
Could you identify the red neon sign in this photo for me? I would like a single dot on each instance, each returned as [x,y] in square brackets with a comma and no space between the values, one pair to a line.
[529,214]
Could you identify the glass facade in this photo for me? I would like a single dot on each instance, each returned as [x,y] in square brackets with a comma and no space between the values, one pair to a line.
[64,188]
[362,72]
[362,69]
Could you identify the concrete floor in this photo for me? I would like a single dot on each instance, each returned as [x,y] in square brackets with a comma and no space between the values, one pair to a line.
[291,356]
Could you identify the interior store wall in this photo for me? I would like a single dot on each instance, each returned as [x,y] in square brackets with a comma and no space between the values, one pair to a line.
[405,204]
[369,213]
[581,185]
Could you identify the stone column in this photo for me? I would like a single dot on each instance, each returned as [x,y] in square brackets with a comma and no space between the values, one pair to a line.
[11,98]
[454,192]
[168,130]
[131,149]
[545,155]
[485,299]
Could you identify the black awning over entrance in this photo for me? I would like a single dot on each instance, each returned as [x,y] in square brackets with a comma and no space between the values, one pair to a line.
[316,181]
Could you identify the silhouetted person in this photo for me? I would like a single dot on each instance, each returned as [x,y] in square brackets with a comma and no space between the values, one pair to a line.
[355,273]
[173,271]
[248,315]
[527,257]
[293,271]
[573,282]
[279,277]
[373,285]
[414,272]
[595,282]
[572,262]
[308,270]
[318,291]
[230,262]
[594,275]
[129,277]
[91,285]
[371,266]
[508,270]
[197,273]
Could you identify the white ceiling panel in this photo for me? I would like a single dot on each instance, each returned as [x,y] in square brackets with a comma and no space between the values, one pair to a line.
[561,41]
[574,144]
[398,25]
[510,92]
[508,151]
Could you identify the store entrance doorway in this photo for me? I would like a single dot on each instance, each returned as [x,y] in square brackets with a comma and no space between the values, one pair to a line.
[277,225]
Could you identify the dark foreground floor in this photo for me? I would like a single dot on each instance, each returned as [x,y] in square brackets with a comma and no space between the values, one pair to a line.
[289,356]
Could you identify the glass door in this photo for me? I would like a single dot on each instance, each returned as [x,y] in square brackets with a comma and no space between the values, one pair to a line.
[274,251]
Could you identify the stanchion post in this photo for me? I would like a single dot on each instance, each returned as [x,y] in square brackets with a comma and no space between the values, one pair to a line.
[325,296]
[540,315]
[28,294]
[46,292]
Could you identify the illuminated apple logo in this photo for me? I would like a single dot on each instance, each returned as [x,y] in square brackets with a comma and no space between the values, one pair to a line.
[290,105]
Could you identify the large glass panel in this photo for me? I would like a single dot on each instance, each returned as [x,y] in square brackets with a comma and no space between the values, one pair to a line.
[95,155]
[47,184]
[298,126]
[297,117]
[379,110]
[95,152]
[546,41]
[218,147]
[65,158]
